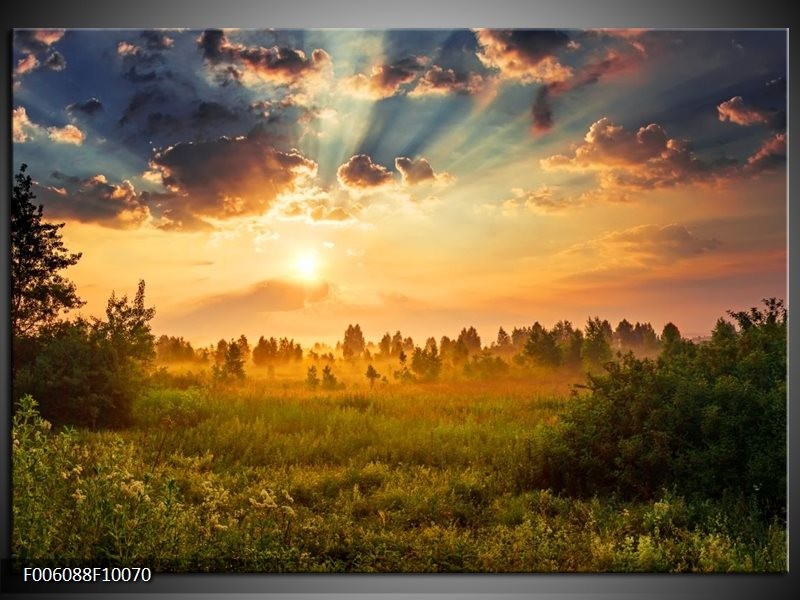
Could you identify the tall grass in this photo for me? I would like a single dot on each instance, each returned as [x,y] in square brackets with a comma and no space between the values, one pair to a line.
[272,476]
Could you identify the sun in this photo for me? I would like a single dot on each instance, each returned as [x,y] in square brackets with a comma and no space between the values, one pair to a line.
[306,266]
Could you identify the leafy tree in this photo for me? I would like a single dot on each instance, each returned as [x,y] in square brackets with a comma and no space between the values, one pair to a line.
[397,343]
[220,353]
[372,375]
[329,381]
[503,339]
[485,366]
[541,346]
[569,342]
[623,335]
[312,381]
[244,347]
[385,346]
[232,366]
[427,363]
[39,293]
[470,339]
[596,348]
[670,339]
[88,373]
[353,346]
[707,422]
[519,335]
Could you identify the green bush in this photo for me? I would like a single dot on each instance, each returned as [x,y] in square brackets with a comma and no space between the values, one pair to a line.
[705,420]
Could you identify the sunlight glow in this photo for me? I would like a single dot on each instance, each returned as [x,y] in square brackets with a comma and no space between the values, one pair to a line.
[307,266]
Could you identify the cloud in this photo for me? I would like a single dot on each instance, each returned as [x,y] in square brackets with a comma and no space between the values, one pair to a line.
[35,46]
[385,80]
[646,159]
[614,63]
[736,111]
[418,171]
[644,245]
[225,177]
[544,200]
[272,295]
[94,200]
[36,40]
[525,55]
[360,172]
[26,64]
[142,98]
[22,128]
[440,81]
[276,64]
[69,134]
[146,62]
[90,107]
[770,155]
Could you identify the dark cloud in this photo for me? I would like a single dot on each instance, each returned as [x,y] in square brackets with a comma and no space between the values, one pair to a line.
[386,80]
[156,40]
[35,41]
[438,80]
[361,172]
[525,54]
[541,111]
[592,72]
[418,171]
[279,64]
[211,113]
[55,61]
[93,200]
[146,97]
[145,63]
[35,46]
[225,176]
[90,107]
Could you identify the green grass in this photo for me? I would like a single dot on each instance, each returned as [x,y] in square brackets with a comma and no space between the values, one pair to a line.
[272,476]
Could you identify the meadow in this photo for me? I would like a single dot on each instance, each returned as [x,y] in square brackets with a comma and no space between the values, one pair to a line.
[265,474]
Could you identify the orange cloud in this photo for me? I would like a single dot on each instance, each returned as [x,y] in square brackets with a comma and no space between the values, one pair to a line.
[771,154]
[69,134]
[735,111]
[527,55]
[646,159]
[361,173]
[276,64]
[22,128]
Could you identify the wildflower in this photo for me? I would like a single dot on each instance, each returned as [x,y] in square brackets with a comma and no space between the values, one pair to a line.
[79,496]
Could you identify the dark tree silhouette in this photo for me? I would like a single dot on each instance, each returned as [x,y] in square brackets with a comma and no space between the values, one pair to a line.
[372,375]
[354,345]
[38,292]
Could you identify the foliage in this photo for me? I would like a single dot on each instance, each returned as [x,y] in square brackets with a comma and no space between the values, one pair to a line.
[38,292]
[426,363]
[354,345]
[596,349]
[89,373]
[372,374]
[273,351]
[708,421]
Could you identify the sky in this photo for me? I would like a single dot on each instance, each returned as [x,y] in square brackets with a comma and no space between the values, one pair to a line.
[292,182]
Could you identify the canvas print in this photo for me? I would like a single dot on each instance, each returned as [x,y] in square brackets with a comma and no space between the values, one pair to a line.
[399,300]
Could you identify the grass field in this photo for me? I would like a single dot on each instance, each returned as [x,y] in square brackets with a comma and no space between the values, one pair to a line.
[271,476]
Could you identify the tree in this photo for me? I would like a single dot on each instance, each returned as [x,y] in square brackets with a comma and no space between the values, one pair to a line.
[329,381]
[470,339]
[385,346]
[38,292]
[503,339]
[541,346]
[426,363]
[372,375]
[312,381]
[89,373]
[353,346]
[596,348]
